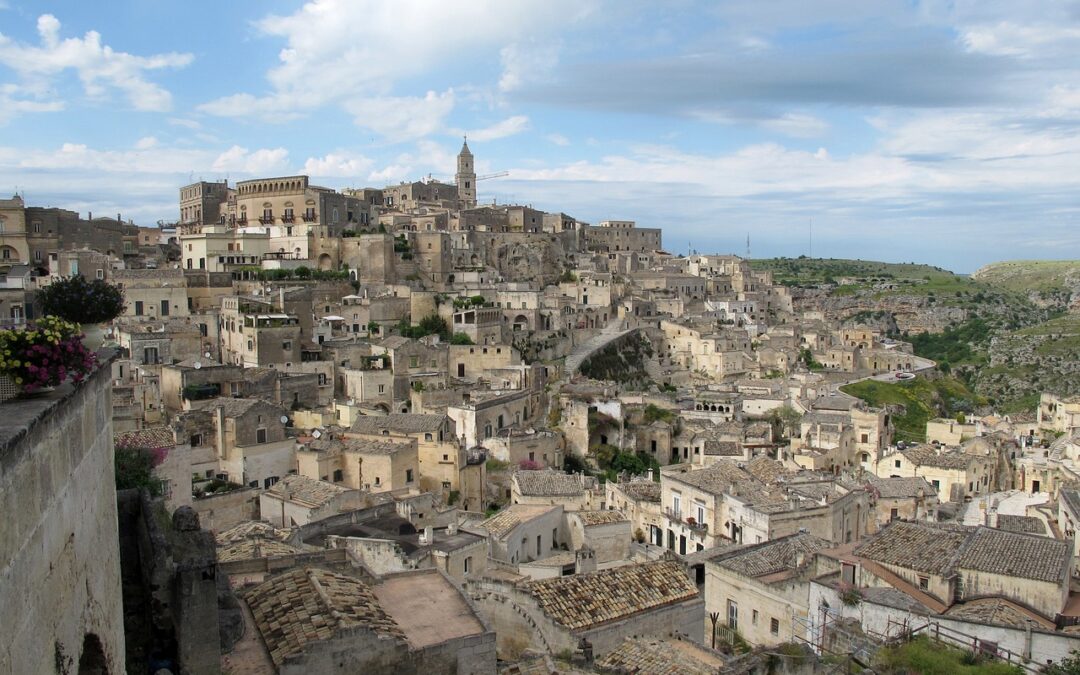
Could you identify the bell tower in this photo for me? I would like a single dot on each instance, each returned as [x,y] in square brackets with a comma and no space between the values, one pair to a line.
[466,176]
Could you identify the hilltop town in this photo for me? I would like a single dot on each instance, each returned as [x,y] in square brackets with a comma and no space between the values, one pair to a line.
[402,429]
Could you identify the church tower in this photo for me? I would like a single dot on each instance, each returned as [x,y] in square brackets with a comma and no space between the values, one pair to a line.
[466,177]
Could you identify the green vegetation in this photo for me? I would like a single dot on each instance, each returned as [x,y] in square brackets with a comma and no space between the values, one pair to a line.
[1048,279]
[429,325]
[496,465]
[622,362]
[301,273]
[613,461]
[1070,665]
[954,345]
[472,301]
[460,339]
[807,357]
[926,657]
[135,468]
[921,399]
[654,413]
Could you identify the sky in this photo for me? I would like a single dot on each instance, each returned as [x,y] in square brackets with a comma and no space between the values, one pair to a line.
[938,131]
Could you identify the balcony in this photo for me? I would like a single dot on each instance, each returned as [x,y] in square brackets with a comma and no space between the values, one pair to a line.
[266,221]
[309,217]
[673,514]
[694,525]
[288,219]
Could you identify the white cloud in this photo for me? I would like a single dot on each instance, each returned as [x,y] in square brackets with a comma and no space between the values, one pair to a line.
[262,161]
[146,143]
[337,164]
[12,103]
[184,122]
[525,63]
[507,127]
[325,61]
[796,125]
[1008,38]
[558,139]
[99,67]
[403,118]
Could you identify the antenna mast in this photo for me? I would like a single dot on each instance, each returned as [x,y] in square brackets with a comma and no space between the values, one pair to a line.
[811,237]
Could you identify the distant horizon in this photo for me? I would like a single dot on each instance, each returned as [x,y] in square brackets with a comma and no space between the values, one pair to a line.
[710,120]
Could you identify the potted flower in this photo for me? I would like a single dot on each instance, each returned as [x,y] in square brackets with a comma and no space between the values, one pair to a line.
[43,354]
[87,303]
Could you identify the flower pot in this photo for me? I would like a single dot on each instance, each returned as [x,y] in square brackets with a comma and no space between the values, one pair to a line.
[94,335]
[9,390]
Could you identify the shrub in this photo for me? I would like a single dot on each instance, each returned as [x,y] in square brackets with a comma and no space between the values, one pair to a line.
[80,301]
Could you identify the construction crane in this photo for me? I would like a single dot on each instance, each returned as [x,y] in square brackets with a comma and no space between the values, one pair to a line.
[498,174]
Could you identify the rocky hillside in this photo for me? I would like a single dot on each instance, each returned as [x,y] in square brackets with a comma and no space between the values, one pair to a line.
[1009,332]
[1047,283]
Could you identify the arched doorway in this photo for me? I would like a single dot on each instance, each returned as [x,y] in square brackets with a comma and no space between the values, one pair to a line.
[325,262]
[92,659]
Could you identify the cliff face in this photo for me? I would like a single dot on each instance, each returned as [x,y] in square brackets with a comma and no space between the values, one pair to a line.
[904,313]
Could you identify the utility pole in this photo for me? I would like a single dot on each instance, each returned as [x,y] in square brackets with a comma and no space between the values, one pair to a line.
[811,238]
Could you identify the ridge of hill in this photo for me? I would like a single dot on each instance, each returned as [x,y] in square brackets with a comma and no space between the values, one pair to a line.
[1044,282]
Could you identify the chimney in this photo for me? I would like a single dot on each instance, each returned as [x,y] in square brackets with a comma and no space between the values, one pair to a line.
[429,535]
[800,559]
[451,529]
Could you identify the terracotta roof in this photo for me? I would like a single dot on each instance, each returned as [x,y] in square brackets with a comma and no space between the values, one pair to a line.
[504,522]
[587,600]
[942,549]
[918,546]
[772,556]
[1028,524]
[150,437]
[999,611]
[256,547]
[600,517]
[310,605]
[548,483]
[402,423]
[714,479]
[898,488]
[1016,555]
[927,455]
[653,656]
[642,490]
[251,529]
[305,491]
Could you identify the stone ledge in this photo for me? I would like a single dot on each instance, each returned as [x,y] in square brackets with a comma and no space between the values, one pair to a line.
[19,416]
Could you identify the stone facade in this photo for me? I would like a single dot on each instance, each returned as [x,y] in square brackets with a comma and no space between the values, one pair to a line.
[60,580]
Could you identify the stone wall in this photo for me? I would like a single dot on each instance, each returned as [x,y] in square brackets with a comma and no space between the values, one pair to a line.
[59,550]
[222,511]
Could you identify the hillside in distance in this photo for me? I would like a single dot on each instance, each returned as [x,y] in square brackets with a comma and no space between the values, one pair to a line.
[1008,332]
[1053,282]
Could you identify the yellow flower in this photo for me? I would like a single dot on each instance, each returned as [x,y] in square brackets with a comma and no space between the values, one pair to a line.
[18,380]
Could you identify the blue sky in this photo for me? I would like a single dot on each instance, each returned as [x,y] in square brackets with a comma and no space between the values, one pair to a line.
[942,131]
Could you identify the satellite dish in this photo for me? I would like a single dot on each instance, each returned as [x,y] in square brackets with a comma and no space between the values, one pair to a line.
[316,433]
[284,419]
[207,354]
[198,365]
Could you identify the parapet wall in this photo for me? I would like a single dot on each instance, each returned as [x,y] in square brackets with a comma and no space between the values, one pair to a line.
[59,549]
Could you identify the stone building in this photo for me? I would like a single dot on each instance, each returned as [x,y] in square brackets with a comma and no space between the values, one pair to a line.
[310,620]
[300,499]
[603,607]
[761,591]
